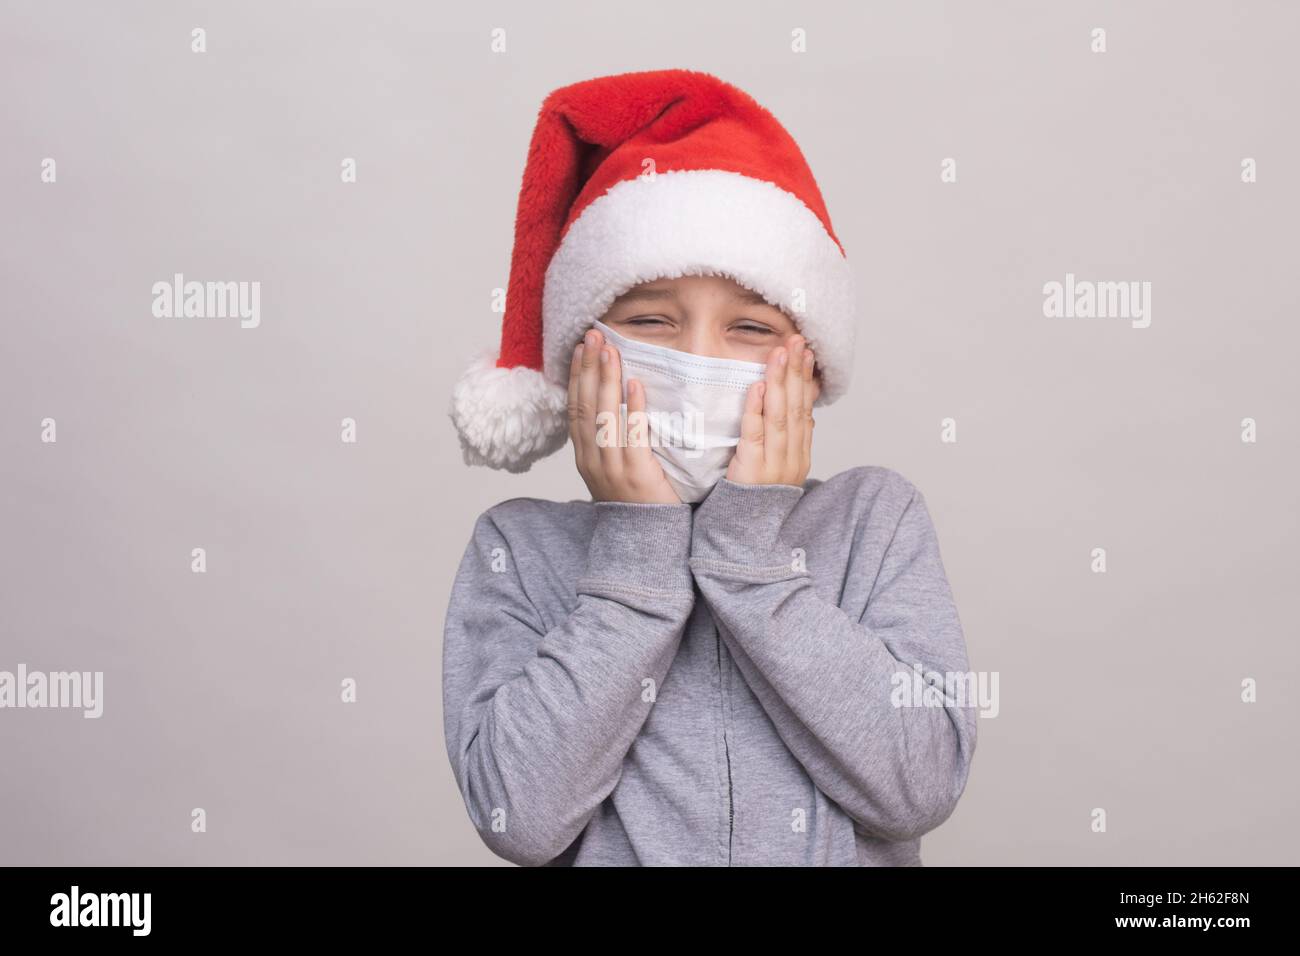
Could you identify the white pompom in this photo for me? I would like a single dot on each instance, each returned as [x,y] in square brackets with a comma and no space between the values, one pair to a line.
[508,418]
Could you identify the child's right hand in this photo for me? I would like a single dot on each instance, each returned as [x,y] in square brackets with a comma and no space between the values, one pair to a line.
[612,472]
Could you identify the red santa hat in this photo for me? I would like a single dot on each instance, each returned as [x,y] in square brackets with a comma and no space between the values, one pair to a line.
[637,177]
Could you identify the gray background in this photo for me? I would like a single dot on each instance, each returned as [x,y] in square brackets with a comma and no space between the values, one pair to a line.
[328,561]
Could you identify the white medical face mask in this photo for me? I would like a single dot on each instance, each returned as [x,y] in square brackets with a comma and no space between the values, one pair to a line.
[693,409]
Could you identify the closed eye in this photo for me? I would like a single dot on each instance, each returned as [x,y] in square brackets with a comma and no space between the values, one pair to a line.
[754,327]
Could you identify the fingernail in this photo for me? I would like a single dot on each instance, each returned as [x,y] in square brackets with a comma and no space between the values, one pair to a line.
[604,356]
[590,338]
[781,357]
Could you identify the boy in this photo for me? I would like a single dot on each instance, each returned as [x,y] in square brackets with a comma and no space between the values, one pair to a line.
[697,666]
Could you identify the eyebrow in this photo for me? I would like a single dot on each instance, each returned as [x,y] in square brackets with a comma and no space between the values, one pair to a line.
[637,295]
[749,295]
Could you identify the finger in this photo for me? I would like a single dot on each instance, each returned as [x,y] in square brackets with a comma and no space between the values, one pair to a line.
[575,375]
[747,464]
[776,422]
[640,468]
[576,433]
[751,419]
[794,396]
[810,398]
[638,431]
[609,397]
[588,386]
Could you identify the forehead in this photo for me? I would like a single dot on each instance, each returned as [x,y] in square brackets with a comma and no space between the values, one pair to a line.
[668,289]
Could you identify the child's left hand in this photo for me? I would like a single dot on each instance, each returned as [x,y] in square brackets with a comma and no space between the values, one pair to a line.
[776,431]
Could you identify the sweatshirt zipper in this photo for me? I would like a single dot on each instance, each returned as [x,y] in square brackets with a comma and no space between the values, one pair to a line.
[731,800]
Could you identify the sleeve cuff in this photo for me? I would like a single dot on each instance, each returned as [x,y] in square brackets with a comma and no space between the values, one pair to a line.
[639,548]
[737,531]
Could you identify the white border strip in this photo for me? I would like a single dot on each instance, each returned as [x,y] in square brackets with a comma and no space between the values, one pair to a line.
[702,222]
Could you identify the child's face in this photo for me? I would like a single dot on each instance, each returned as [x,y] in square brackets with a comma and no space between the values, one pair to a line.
[710,316]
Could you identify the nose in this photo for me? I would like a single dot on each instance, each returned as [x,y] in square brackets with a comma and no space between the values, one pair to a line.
[702,337]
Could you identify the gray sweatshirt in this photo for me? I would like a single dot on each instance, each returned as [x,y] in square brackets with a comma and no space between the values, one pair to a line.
[707,685]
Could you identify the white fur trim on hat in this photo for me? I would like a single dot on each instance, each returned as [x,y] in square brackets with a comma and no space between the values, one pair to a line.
[508,417]
[702,222]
